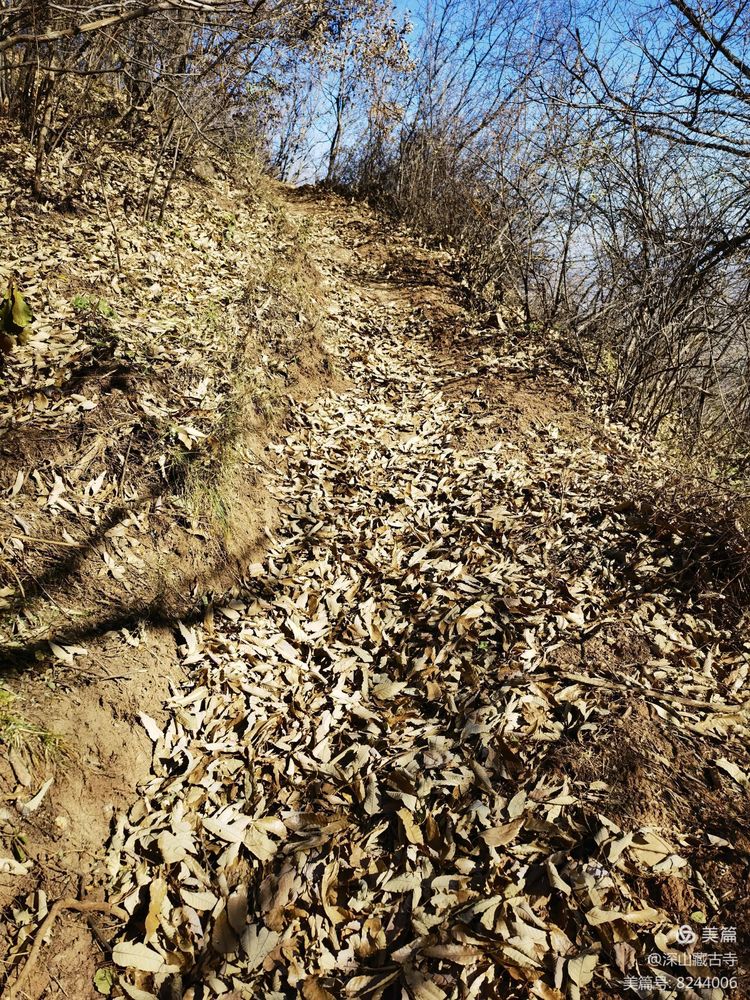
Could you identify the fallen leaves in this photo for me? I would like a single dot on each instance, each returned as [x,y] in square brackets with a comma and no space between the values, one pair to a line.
[133,955]
[125,374]
[34,803]
[500,836]
[362,787]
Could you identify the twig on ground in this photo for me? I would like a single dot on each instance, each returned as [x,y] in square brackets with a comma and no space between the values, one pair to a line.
[15,576]
[48,541]
[79,906]
[46,593]
[637,686]
[124,466]
[115,237]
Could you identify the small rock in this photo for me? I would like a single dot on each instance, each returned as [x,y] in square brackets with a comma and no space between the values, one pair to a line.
[22,773]
[494,321]
[204,170]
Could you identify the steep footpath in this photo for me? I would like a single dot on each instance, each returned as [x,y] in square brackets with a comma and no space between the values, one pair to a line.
[458,733]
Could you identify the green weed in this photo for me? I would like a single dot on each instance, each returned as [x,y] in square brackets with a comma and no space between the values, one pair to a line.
[87,304]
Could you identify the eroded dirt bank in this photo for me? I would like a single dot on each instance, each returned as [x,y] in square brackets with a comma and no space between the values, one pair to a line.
[135,483]
[457,732]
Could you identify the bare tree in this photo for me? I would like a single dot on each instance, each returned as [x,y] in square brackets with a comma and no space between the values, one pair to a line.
[194,70]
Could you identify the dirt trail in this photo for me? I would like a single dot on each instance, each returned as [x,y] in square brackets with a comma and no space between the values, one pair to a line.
[434,745]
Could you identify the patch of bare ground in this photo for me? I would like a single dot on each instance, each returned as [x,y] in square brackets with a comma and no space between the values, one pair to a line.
[95,751]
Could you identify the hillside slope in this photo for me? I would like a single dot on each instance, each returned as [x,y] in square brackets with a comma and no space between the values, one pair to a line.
[159,357]
[463,730]
[132,468]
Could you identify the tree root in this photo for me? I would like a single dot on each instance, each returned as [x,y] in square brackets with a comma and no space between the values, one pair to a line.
[79,906]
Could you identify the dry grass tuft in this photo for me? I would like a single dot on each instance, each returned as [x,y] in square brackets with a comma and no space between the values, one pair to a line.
[17,732]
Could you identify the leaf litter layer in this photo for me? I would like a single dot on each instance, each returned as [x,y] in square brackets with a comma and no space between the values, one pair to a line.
[157,360]
[457,735]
